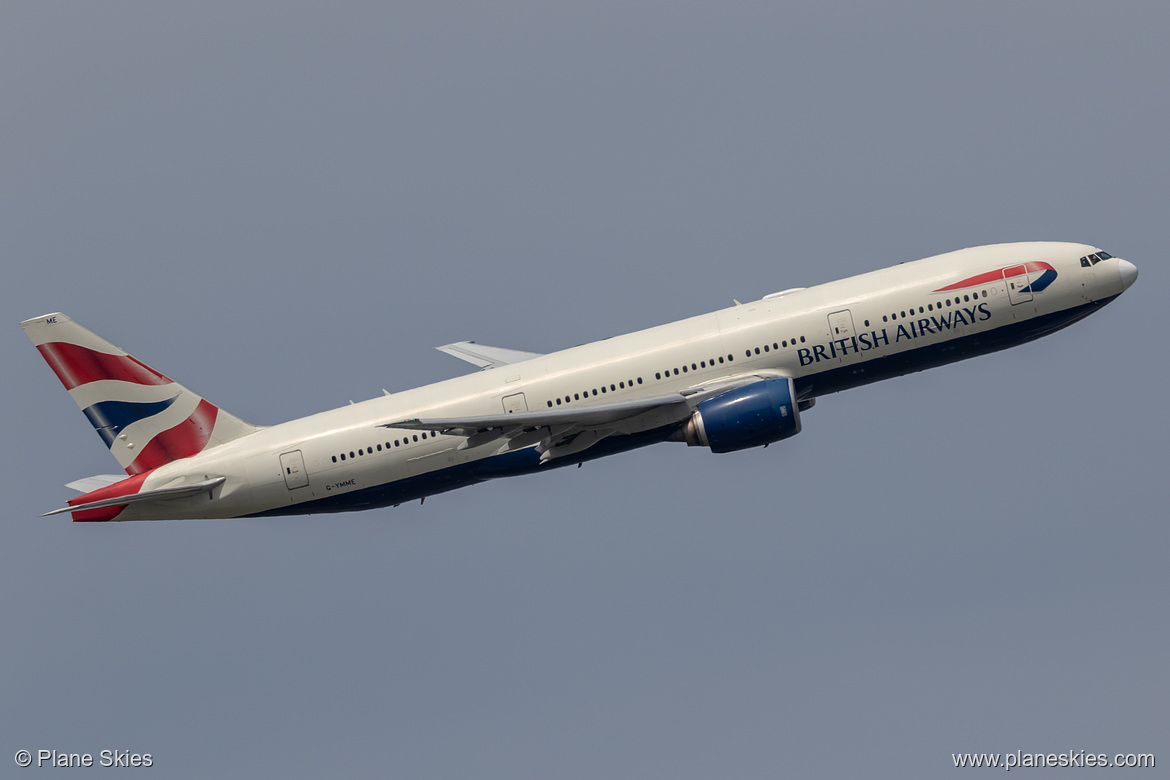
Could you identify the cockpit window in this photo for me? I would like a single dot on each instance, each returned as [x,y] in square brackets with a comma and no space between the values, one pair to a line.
[1093,259]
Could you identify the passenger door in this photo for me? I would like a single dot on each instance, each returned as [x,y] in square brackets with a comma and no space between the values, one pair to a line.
[1019,285]
[292,465]
[841,325]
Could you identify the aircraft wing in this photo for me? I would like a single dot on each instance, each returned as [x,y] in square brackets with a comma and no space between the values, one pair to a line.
[588,416]
[571,429]
[484,356]
[555,432]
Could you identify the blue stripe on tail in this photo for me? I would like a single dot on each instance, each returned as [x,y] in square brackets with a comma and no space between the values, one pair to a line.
[110,417]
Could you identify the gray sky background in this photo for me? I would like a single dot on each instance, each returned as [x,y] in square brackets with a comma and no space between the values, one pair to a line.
[286,205]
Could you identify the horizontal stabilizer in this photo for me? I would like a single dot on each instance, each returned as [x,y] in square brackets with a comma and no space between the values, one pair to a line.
[484,356]
[159,494]
[89,484]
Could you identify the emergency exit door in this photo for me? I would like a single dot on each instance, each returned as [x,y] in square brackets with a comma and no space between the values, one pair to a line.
[292,465]
[515,403]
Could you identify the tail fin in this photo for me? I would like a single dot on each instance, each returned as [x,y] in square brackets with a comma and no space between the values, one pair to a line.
[144,417]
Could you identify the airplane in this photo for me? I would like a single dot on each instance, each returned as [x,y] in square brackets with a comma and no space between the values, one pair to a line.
[730,380]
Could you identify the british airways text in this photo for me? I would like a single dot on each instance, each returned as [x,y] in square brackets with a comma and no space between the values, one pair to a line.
[864,342]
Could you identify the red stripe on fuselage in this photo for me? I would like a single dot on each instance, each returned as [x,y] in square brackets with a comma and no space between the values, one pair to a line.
[184,440]
[126,487]
[995,276]
[76,366]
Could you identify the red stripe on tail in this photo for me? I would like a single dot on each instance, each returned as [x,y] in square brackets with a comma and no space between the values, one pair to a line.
[76,366]
[184,440]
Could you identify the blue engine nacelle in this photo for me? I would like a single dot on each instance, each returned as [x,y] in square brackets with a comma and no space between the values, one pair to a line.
[751,416]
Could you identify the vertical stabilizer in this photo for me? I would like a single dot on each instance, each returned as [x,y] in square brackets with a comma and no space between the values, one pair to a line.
[143,416]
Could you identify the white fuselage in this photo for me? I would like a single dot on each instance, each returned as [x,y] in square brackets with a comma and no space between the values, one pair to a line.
[826,338]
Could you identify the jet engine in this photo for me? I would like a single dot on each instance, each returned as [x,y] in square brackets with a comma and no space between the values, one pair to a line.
[750,416]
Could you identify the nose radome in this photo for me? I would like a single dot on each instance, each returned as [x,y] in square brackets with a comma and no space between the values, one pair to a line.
[1128,273]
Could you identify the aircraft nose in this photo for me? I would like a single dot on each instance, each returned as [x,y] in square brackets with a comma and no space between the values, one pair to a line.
[1128,273]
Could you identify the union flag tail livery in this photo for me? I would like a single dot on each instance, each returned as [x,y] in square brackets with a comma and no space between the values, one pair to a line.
[144,417]
[725,381]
